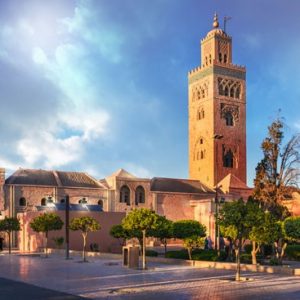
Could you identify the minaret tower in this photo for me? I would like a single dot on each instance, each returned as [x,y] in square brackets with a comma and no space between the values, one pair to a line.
[217,112]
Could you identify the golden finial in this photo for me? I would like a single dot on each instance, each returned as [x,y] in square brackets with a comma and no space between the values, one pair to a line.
[216,22]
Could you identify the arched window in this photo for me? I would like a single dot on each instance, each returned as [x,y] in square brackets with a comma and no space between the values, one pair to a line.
[43,202]
[220,57]
[201,154]
[228,159]
[139,195]
[202,112]
[225,58]
[237,92]
[229,119]
[199,95]
[125,194]
[206,60]
[22,201]
[100,203]
[226,91]
[202,93]
[201,141]
[209,58]
[232,92]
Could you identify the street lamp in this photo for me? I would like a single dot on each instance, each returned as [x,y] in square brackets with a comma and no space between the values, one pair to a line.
[217,226]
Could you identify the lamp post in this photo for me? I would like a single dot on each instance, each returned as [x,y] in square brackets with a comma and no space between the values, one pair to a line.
[67,218]
[217,227]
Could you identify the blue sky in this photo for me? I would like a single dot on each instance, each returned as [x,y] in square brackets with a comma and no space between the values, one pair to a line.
[100,85]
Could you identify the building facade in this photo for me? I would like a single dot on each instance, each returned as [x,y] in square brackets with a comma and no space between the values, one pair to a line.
[217,112]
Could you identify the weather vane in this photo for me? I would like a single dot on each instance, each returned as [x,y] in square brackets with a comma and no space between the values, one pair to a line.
[226,19]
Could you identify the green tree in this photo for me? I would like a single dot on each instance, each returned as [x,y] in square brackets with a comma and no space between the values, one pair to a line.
[193,242]
[231,218]
[191,232]
[85,225]
[291,227]
[163,231]
[118,232]
[45,223]
[141,222]
[9,225]
[277,173]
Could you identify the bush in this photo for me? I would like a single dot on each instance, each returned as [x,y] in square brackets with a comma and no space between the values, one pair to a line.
[275,261]
[198,254]
[151,253]
[248,248]
[181,254]
[267,250]
[293,252]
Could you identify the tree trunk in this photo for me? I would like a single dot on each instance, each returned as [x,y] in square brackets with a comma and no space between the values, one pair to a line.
[144,249]
[46,244]
[238,264]
[84,235]
[190,253]
[165,244]
[253,253]
[9,242]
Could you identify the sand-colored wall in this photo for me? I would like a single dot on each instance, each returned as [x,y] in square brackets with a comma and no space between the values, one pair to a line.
[29,241]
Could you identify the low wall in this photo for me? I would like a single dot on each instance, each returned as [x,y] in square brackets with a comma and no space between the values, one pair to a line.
[30,241]
[285,270]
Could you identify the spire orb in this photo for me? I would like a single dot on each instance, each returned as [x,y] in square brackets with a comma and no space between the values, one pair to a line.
[216,21]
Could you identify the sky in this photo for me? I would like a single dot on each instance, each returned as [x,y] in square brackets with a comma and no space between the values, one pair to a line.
[96,86]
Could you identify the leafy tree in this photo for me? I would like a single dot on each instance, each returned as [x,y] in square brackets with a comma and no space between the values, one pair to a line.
[231,218]
[291,228]
[58,241]
[278,172]
[193,242]
[191,232]
[85,225]
[163,231]
[118,232]
[45,223]
[141,222]
[187,228]
[9,225]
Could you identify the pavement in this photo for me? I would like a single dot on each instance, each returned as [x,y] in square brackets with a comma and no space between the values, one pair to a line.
[35,277]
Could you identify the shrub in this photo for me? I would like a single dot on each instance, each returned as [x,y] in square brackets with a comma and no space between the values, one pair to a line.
[293,252]
[151,253]
[248,248]
[181,254]
[274,261]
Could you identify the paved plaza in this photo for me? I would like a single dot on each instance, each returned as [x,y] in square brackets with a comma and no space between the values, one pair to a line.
[33,277]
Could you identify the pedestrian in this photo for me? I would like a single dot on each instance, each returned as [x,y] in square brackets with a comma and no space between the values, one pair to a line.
[1,243]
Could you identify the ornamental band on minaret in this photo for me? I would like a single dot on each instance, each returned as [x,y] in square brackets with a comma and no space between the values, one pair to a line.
[217,112]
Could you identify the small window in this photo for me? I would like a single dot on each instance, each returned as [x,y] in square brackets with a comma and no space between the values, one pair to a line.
[220,57]
[206,60]
[201,154]
[203,93]
[125,194]
[225,58]
[202,112]
[83,201]
[209,58]
[228,159]
[229,119]
[22,201]
[201,141]
[232,92]
[226,91]
[44,202]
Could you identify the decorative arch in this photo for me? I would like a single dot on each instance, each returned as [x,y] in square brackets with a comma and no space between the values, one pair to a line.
[139,195]
[125,194]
